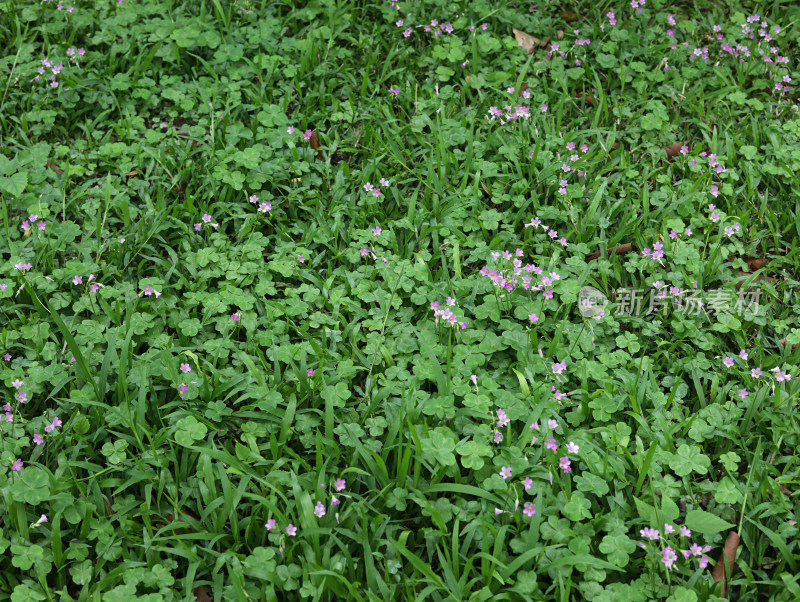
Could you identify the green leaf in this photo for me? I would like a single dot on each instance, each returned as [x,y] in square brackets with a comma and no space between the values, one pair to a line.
[728,492]
[689,459]
[439,446]
[15,184]
[189,430]
[705,522]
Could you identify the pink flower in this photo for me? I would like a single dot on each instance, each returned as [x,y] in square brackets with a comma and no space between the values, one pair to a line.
[235,317]
[290,129]
[685,531]
[307,135]
[319,510]
[550,443]
[505,472]
[185,368]
[291,530]
[565,464]
[301,259]
[529,510]
[335,501]
[270,525]
[16,465]
[339,484]
[527,483]
[17,383]
[38,438]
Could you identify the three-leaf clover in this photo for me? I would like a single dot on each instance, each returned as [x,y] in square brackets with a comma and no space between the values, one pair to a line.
[689,459]
[439,446]
[189,430]
[472,454]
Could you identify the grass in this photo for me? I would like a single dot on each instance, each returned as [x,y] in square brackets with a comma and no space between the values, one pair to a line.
[233,370]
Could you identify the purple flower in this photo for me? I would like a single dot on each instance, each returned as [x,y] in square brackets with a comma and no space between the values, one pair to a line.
[291,530]
[668,557]
[16,465]
[685,532]
[529,510]
[550,443]
[38,438]
[651,534]
[319,510]
[185,368]
[339,484]
[270,524]
[505,472]
[565,464]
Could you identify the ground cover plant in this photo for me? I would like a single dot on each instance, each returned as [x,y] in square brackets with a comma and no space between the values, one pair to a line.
[434,300]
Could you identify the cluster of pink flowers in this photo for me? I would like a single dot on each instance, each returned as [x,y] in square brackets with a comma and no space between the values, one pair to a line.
[374,190]
[656,253]
[149,290]
[74,53]
[263,206]
[754,43]
[205,219]
[551,233]
[32,220]
[446,314]
[512,274]
[320,510]
[183,387]
[55,70]
[637,4]
[22,267]
[669,555]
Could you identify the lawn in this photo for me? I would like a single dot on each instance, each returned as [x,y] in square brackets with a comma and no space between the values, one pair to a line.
[431,300]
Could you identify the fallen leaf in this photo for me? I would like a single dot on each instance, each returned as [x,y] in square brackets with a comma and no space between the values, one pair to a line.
[133,172]
[745,276]
[201,595]
[569,16]
[729,552]
[486,189]
[673,149]
[619,250]
[525,40]
[315,144]
[560,34]
[55,169]
[755,263]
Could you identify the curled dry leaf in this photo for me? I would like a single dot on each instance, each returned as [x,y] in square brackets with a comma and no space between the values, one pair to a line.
[673,149]
[729,552]
[315,144]
[569,16]
[619,250]
[133,172]
[751,277]
[525,40]
[201,595]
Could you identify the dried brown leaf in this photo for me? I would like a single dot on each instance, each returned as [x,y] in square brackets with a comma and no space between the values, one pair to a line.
[746,277]
[201,595]
[569,16]
[619,250]
[673,149]
[133,172]
[729,552]
[315,144]
[526,40]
